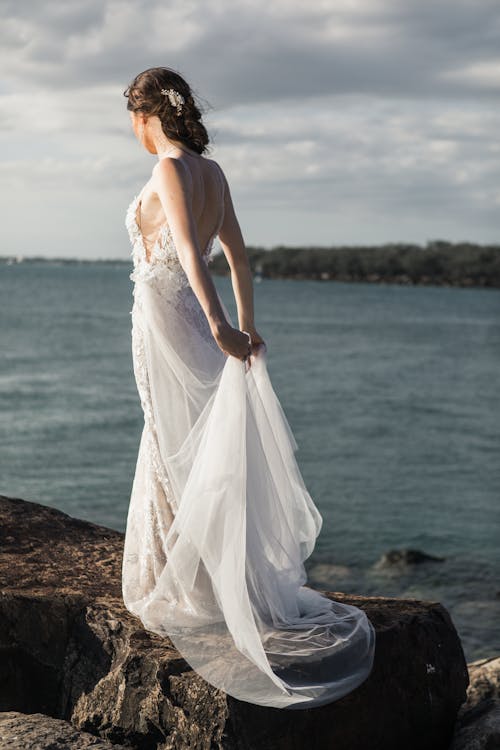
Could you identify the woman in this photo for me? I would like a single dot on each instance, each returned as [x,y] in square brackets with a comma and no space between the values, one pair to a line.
[220,521]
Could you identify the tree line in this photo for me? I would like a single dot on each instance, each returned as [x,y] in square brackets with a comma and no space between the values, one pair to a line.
[438,262]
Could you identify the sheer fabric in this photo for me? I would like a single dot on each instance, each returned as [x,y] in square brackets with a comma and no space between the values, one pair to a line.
[220,521]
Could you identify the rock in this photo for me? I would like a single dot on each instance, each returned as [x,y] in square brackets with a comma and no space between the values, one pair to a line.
[70,650]
[40,732]
[478,720]
[484,682]
[481,729]
[405,557]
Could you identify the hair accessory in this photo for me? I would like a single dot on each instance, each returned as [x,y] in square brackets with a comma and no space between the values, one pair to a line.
[175,99]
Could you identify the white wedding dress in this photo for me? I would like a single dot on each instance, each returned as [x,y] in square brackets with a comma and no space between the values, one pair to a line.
[220,521]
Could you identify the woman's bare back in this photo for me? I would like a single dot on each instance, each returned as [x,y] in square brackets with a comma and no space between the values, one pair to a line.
[207,189]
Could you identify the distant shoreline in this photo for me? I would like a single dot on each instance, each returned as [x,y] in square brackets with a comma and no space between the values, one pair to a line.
[439,263]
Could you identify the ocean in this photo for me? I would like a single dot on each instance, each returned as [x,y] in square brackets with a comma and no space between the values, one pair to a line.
[392,393]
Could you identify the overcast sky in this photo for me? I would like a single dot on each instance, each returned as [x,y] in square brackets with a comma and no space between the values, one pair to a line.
[335,121]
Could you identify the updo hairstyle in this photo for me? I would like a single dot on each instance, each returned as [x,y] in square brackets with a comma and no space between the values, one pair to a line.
[144,96]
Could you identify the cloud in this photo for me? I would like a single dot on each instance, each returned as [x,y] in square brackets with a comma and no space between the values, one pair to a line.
[256,51]
[335,121]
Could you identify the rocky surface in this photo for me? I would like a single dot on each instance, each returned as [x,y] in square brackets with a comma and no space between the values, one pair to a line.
[40,732]
[484,682]
[478,720]
[71,651]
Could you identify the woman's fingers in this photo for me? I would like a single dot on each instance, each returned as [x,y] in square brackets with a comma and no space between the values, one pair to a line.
[241,344]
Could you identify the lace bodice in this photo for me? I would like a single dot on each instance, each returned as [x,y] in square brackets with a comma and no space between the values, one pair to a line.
[164,267]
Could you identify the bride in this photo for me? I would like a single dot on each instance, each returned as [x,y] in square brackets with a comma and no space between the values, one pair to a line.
[220,521]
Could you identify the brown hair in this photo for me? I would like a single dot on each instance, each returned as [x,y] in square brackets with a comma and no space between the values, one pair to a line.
[144,95]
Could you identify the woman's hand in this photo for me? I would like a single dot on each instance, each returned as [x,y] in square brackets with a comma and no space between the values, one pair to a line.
[234,342]
[257,339]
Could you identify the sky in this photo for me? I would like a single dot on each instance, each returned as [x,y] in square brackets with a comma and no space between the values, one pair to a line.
[336,122]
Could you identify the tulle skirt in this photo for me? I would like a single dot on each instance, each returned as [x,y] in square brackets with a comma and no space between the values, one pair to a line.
[220,521]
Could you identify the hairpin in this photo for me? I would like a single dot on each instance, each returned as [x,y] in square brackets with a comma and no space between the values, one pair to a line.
[175,99]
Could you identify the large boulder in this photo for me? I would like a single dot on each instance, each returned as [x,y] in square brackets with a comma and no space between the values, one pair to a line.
[70,650]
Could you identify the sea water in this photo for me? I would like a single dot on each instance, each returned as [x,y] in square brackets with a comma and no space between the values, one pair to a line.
[392,393]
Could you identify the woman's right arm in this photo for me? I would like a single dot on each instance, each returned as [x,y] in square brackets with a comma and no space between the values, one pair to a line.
[233,246]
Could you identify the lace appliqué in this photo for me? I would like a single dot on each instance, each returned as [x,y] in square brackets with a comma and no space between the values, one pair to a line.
[152,444]
[165,274]
[187,305]
[163,271]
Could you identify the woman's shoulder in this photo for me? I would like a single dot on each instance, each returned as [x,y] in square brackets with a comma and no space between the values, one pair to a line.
[171,168]
[183,170]
[219,169]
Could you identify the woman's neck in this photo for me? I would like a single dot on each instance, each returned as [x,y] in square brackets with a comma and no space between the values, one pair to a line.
[165,148]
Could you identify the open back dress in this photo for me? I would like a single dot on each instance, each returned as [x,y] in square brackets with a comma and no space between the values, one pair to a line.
[220,522]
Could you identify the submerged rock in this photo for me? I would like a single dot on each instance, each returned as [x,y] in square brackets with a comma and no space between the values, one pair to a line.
[405,557]
[70,650]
